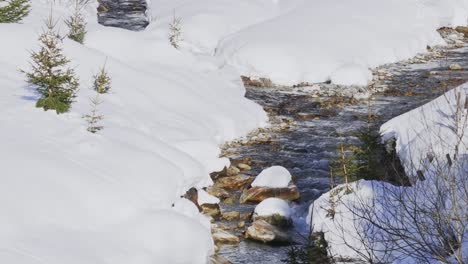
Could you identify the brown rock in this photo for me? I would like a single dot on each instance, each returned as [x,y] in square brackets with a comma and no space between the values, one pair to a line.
[241,224]
[223,237]
[258,194]
[230,216]
[228,201]
[463,30]
[217,192]
[216,259]
[244,167]
[211,209]
[234,182]
[262,231]
[192,195]
[456,67]
[246,216]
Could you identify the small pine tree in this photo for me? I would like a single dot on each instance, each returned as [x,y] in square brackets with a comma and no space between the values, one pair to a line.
[94,117]
[77,24]
[56,83]
[175,31]
[102,81]
[13,11]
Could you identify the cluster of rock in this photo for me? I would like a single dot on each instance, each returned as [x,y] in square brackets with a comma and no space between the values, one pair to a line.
[128,14]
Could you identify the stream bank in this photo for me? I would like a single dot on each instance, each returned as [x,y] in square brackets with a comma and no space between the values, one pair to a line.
[308,122]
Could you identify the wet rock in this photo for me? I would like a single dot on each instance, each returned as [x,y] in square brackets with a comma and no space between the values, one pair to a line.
[192,195]
[127,14]
[456,67]
[258,194]
[211,210]
[232,171]
[217,192]
[234,182]
[228,201]
[216,259]
[276,220]
[262,231]
[246,216]
[244,167]
[222,236]
[463,30]
[230,216]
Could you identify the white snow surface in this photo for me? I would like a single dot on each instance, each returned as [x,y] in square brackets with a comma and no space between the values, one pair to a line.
[425,133]
[206,198]
[273,177]
[293,41]
[271,206]
[69,196]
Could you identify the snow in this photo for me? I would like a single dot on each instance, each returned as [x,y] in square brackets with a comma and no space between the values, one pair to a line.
[69,196]
[423,134]
[272,206]
[294,41]
[206,198]
[273,177]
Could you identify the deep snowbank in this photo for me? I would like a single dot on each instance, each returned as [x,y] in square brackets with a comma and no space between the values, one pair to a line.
[293,41]
[424,136]
[339,40]
[68,196]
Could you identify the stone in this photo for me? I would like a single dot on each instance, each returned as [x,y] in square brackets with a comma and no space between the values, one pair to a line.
[228,200]
[192,195]
[262,231]
[276,220]
[244,167]
[232,171]
[241,224]
[222,236]
[463,30]
[216,259]
[230,216]
[246,216]
[456,67]
[258,194]
[211,210]
[217,192]
[127,14]
[234,182]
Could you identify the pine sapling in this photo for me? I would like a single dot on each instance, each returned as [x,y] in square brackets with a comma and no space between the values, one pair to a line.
[55,82]
[77,24]
[94,118]
[12,11]
[102,81]
[175,31]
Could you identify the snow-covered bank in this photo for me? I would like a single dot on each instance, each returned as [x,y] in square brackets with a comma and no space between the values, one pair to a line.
[431,142]
[294,41]
[69,196]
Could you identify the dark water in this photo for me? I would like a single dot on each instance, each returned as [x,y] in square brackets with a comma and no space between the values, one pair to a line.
[308,146]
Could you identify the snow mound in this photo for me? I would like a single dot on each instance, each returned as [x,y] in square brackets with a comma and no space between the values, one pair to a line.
[273,177]
[316,41]
[69,196]
[271,206]
[424,137]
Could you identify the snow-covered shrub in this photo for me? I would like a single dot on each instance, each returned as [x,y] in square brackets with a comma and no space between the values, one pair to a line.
[13,10]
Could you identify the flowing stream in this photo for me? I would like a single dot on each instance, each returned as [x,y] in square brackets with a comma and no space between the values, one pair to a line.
[315,131]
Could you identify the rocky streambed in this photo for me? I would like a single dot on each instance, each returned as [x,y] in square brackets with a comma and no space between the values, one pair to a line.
[308,123]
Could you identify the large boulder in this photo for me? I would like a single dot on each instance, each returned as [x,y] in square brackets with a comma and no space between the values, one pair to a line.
[258,194]
[275,211]
[127,14]
[262,231]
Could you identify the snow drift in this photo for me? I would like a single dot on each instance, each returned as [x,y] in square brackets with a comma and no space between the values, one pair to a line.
[69,196]
[424,137]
